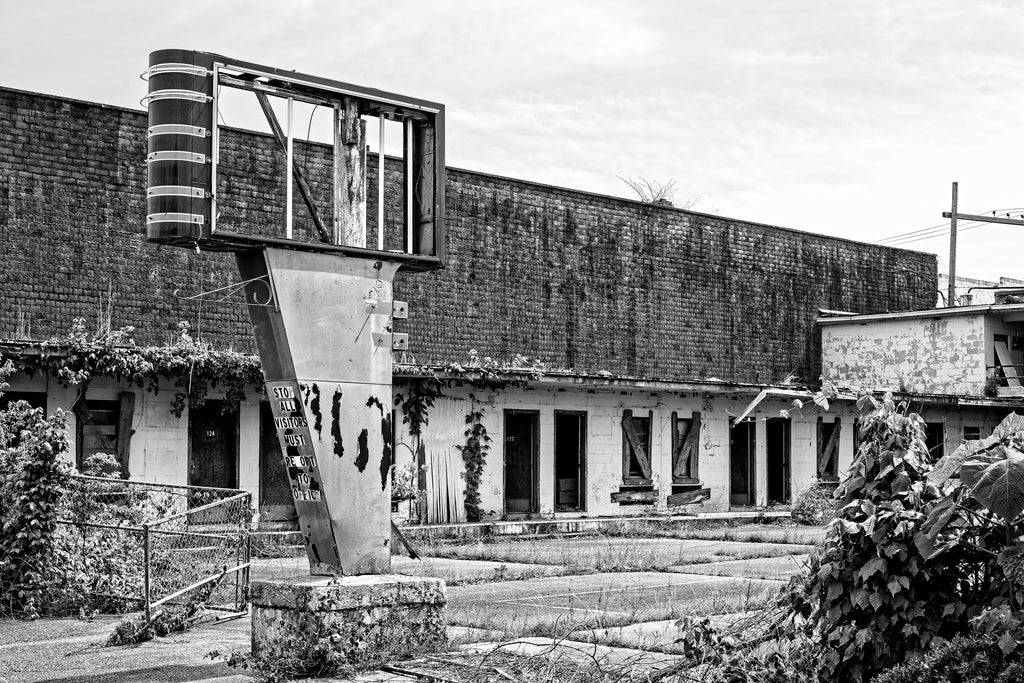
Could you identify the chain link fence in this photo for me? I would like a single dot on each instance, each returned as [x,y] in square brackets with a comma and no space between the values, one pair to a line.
[138,545]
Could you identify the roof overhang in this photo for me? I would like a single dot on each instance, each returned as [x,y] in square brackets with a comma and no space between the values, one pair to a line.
[559,379]
[842,318]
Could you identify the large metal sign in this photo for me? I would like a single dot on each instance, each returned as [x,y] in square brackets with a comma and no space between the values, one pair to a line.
[321,309]
[184,204]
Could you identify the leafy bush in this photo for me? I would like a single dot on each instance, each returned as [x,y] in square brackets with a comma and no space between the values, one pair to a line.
[32,480]
[815,505]
[870,597]
[966,659]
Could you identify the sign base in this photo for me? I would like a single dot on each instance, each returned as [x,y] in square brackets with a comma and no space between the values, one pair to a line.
[313,622]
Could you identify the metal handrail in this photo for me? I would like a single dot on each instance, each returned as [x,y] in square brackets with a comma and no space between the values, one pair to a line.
[222,501]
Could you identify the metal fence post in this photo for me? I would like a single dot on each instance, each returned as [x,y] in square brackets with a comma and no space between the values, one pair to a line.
[146,572]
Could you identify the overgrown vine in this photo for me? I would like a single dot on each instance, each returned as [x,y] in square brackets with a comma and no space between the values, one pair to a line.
[416,396]
[416,392]
[194,368]
[474,455]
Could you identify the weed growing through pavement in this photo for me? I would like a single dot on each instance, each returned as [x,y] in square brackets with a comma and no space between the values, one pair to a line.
[581,555]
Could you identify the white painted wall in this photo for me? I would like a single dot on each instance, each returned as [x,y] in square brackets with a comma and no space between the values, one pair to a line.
[159,449]
[604,409]
[159,445]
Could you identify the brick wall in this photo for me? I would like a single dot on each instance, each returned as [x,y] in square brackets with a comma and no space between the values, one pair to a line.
[577,280]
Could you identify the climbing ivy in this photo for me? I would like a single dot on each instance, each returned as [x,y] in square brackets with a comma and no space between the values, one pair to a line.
[416,396]
[416,392]
[194,368]
[474,455]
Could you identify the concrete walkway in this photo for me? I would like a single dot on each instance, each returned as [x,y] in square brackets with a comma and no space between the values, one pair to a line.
[72,650]
[631,616]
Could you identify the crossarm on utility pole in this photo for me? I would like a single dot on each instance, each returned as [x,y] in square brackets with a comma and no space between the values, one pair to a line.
[300,179]
[984,219]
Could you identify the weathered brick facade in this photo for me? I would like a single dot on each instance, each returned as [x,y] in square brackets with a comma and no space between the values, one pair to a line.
[577,280]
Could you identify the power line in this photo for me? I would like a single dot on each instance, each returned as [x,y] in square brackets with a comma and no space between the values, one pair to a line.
[931,237]
[940,228]
[911,237]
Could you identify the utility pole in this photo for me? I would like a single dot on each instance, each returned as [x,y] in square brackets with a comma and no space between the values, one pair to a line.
[953,217]
[951,300]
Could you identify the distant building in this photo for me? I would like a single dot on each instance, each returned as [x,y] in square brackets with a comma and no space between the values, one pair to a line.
[970,291]
[961,367]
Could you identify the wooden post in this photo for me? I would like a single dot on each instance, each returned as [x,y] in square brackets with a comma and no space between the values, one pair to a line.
[124,430]
[423,181]
[349,175]
[952,251]
[147,576]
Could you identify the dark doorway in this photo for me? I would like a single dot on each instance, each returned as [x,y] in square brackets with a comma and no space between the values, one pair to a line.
[521,447]
[276,504]
[777,445]
[570,460]
[935,439]
[741,463]
[213,445]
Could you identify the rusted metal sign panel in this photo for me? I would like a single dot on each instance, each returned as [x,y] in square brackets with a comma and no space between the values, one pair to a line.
[323,334]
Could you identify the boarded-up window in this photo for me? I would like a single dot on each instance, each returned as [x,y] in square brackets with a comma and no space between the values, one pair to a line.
[972,433]
[105,427]
[828,448]
[685,447]
[636,449]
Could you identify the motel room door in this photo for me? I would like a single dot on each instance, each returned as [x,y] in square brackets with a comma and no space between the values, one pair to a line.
[570,460]
[742,450]
[777,457]
[213,445]
[521,467]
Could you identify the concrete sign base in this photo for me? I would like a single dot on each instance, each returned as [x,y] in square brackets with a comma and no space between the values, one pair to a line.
[312,622]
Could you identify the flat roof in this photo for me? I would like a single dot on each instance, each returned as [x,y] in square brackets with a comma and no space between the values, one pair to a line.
[838,318]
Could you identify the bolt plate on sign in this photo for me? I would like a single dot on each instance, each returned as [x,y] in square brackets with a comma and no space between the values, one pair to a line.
[400,310]
[400,341]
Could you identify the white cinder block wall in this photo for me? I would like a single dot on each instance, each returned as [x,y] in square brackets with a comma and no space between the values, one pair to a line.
[160,443]
[604,409]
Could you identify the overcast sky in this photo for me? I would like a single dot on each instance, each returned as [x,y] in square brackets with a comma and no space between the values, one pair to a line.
[842,118]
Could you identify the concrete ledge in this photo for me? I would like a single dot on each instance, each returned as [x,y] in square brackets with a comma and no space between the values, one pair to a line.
[578,525]
[558,525]
[323,594]
[314,623]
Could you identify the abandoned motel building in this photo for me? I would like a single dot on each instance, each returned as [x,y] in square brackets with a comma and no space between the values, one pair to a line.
[664,348]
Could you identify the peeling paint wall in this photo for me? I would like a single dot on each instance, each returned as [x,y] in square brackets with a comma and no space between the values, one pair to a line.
[940,355]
